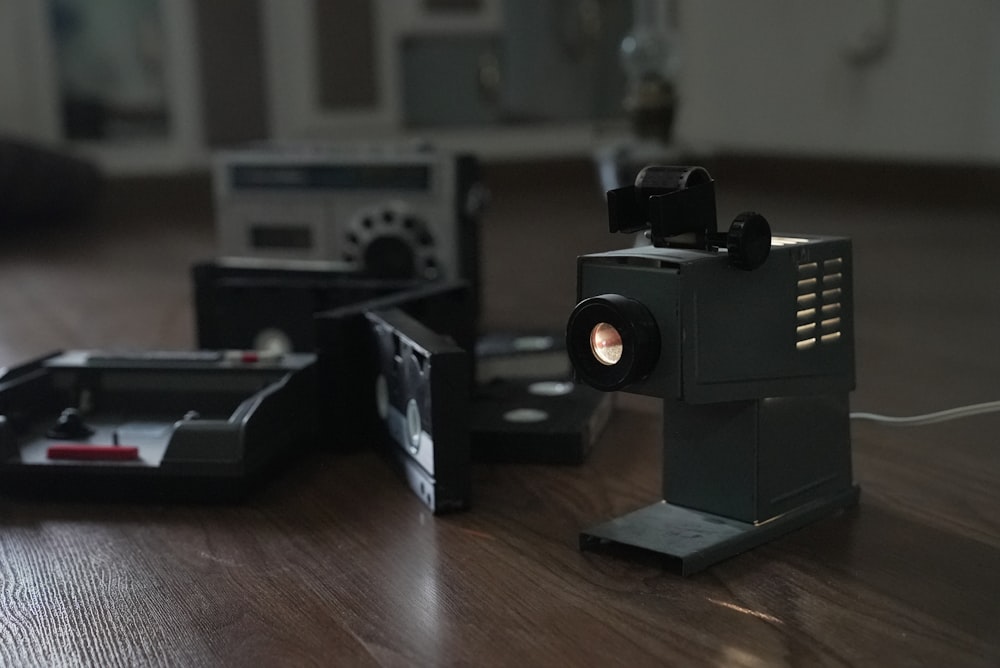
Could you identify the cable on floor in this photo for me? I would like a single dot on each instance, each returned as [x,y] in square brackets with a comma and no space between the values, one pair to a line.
[930,418]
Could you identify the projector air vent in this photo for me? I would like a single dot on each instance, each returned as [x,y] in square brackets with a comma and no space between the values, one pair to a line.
[818,309]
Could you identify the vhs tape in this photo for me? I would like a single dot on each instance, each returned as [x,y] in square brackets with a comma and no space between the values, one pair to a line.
[526,408]
[422,398]
[266,305]
[537,421]
[521,354]
[348,357]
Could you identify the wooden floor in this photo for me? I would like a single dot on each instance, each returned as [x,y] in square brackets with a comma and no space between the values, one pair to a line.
[335,563]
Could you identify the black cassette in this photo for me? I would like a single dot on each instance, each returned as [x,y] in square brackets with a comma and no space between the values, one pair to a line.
[203,424]
[523,354]
[422,398]
[537,421]
[259,305]
[526,407]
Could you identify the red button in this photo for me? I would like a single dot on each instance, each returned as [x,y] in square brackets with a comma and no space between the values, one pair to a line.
[83,451]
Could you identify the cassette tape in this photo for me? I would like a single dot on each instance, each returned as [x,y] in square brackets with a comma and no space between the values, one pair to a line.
[266,305]
[537,421]
[422,398]
[163,424]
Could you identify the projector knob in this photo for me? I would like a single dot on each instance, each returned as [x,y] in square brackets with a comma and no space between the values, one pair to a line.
[748,241]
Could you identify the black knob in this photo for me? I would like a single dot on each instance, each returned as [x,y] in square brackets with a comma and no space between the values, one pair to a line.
[748,241]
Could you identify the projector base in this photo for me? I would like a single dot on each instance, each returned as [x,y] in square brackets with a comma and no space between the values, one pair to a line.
[692,540]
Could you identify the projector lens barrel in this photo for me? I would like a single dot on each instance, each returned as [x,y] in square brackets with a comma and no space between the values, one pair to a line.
[613,341]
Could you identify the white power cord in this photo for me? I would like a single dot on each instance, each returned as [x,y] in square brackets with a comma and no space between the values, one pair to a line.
[930,418]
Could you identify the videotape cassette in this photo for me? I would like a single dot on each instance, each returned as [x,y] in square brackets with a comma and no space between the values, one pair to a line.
[266,305]
[160,424]
[526,408]
[521,354]
[422,398]
[348,356]
[537,421]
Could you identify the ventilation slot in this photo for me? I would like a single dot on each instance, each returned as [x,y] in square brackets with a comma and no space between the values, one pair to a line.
[820,288]
[787,241]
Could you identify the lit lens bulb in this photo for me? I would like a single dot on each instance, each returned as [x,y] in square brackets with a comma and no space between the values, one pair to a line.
[606,344]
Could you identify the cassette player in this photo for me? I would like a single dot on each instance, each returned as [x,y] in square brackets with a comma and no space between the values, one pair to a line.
[391,211]
[201,425]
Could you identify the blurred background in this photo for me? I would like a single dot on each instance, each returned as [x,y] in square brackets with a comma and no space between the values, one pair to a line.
[875,119]
[153,86]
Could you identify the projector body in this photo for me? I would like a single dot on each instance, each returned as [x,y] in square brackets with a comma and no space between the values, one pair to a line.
[754,368]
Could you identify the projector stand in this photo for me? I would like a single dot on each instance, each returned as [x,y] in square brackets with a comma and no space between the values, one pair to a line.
[739,474]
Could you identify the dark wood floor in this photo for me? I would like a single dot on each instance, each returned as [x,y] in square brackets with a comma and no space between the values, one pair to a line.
[335,563]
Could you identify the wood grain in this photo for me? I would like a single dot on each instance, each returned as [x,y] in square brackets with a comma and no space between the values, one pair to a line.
[335,563]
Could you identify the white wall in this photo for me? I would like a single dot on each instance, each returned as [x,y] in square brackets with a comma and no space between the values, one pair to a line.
[27,108]
[763,76]
[29,97]
[798,76]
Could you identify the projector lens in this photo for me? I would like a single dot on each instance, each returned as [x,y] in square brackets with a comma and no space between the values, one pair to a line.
[606,344]
[613,341]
